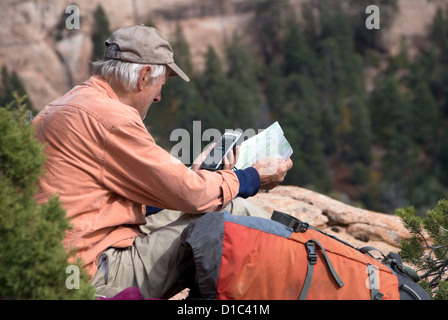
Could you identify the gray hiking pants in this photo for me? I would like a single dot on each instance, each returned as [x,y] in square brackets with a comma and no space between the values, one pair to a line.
[151,264]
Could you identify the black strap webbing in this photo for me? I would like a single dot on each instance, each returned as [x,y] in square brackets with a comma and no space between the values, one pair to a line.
[367,250]
[290,221]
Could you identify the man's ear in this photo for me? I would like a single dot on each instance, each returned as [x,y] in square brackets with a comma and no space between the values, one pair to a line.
[144,78]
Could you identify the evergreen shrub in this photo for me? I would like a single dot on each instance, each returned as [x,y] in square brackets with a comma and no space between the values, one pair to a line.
[33,261]
[427,248]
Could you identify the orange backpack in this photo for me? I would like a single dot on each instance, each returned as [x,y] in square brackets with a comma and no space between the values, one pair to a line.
[240,257]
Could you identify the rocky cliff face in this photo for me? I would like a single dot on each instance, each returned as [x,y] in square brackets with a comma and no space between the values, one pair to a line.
[50,60]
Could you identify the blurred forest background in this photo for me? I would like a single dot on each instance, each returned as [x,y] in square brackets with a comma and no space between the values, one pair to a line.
[383,149]
[381,146]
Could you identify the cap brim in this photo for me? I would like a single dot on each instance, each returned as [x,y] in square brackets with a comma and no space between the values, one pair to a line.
[176,71]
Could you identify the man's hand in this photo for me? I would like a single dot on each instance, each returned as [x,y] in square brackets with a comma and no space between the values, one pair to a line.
[229,160]
[272,171]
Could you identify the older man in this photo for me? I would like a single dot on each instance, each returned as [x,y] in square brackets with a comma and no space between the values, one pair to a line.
[106,168]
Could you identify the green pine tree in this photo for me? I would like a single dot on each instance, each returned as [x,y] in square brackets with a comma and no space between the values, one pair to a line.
[271,18]
[33,261]
[435,64]
[439,29]
[424,112]
[427,249]
[359,137]
[385,103]
[213,86]
[243,89]
[368,40]
[10,84]
[101,32]
[299,58]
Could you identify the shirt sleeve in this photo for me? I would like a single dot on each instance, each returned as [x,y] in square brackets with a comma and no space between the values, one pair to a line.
[135,167]
[249,181]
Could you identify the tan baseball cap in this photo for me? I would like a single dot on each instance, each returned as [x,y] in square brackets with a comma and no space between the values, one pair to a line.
[143,45]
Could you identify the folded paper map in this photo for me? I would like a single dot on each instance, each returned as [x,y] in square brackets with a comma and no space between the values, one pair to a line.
[269,143]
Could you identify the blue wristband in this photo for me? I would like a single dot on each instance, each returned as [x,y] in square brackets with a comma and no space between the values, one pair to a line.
[249,182]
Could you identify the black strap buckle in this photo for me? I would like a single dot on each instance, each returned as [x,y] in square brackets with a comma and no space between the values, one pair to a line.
[311,249]
[299,226]
[290,221]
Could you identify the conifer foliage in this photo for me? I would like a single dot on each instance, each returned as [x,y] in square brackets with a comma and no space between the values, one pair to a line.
[428,247]
[101,32]
[33,261]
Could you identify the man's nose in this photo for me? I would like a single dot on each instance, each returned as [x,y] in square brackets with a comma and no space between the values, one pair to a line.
[157,99]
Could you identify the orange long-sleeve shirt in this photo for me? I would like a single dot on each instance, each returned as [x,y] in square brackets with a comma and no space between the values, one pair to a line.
[105,166]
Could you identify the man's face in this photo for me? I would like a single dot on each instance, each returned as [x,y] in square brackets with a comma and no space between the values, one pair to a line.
[150,93]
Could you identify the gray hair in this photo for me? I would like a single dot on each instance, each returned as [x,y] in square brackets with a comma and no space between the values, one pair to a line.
[125,73]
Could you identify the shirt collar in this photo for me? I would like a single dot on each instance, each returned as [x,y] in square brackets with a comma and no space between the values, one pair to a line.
[101,85]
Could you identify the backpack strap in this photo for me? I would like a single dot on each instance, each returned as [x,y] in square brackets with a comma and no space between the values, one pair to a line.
[394,261]
[375,294]
[312,260]
[367,250]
